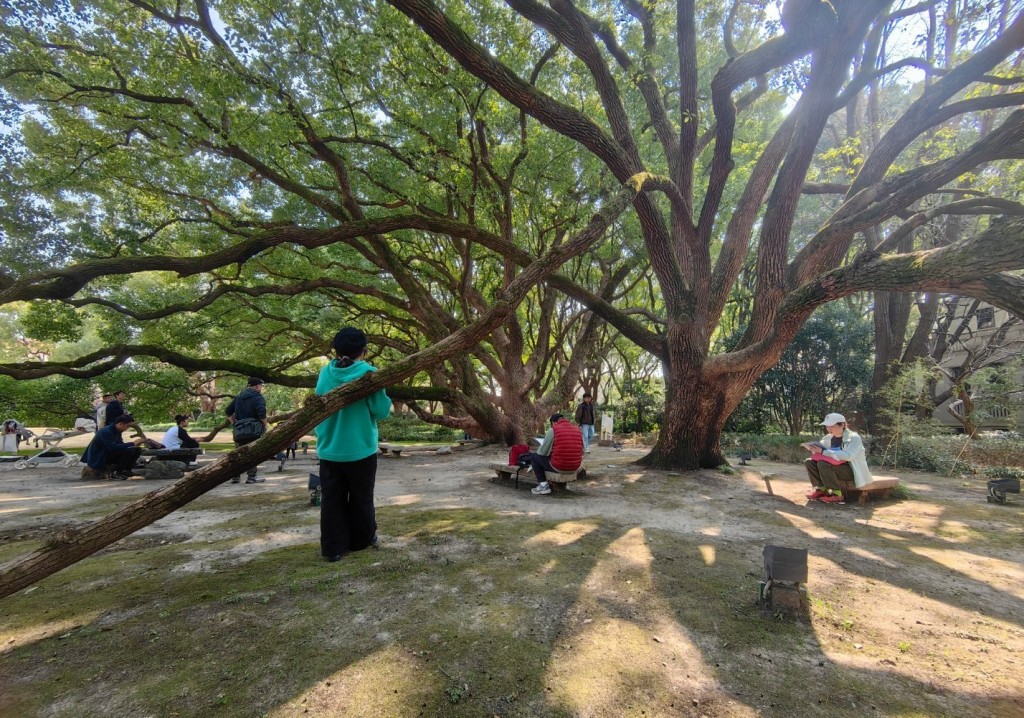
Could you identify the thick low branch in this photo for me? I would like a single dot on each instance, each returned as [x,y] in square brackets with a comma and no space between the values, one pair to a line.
[970,267]
[224,289]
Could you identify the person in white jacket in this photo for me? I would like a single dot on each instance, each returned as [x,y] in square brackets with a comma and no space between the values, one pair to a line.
[837,463]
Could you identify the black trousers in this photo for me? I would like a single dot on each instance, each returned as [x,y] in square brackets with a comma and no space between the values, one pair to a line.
[251,473]
[540,464]
[838,477]
[123,460]
[347,518]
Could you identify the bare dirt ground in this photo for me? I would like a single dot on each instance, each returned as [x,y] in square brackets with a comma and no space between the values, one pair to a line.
[926,593]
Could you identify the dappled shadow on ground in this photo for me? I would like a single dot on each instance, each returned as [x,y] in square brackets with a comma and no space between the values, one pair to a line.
[540,609]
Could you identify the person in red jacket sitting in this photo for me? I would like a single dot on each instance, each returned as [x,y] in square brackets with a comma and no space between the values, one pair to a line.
[561,450]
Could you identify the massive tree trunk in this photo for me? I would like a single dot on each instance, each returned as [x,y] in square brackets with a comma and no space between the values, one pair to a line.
[690,436]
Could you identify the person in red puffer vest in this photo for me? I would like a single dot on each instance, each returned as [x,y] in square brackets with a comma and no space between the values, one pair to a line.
[561,450]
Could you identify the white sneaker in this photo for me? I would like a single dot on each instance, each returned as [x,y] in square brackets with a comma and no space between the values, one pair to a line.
[542,489]
[586,451]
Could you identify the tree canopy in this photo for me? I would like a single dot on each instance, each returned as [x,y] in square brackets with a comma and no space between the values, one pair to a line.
[220,186]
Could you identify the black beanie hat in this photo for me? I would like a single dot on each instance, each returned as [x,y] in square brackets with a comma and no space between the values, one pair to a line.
[255,381]
[349,342]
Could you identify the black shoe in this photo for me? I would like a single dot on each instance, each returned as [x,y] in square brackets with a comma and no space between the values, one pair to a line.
[255,480]
[373,541]
[236,479]
[335,558]
[120,476]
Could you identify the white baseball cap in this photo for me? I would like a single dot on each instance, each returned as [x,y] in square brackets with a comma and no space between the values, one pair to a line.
[833,419]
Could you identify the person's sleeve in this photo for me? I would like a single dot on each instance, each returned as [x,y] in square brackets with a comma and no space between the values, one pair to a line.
[379,404]
[261,408]
[548,444]
[321,384]
[113,444]
[855,447]
[579,413]
[231,408]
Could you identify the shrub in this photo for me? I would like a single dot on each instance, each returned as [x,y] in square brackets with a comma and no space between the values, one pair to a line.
[996,455]
[937,454]
[777,447]
[409,427]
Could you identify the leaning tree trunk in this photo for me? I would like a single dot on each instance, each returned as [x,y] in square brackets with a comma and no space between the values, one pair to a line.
[72,546]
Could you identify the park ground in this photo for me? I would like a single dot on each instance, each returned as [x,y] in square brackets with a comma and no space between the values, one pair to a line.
[633,595]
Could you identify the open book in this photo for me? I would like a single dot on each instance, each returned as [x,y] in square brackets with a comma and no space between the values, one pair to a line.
[811,445]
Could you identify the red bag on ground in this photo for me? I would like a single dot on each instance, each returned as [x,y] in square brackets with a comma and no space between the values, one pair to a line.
[515,451]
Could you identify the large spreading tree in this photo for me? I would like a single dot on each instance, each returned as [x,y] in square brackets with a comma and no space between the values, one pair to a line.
[296,167]
[220,185]
[656,110]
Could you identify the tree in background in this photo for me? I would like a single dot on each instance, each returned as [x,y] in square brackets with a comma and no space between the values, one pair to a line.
[295,170]
[825,368]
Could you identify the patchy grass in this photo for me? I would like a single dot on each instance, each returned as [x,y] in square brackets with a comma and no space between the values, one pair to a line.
[476,612]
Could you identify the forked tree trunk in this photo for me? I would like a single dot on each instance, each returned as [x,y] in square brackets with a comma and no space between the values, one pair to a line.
[690,436]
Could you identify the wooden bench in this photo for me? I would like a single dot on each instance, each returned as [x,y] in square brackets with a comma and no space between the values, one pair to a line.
[881,487]
[558,478]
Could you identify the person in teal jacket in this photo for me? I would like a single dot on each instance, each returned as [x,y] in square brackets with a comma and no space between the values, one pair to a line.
[346,443]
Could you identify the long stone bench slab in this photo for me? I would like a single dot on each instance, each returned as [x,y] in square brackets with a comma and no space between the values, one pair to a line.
[559,478]
[881,487]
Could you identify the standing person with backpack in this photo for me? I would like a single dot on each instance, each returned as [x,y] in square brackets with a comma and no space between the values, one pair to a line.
[346,443]
[247,413]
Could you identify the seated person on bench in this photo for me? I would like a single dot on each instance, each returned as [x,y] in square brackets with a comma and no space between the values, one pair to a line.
[177,436]
[561,451]
[108,454]
[838,462]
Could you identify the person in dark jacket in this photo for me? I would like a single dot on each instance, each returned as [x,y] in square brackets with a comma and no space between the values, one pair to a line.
[585,418]
[110,456]
[115,407]
[247,413]
[347,447]
[561,450]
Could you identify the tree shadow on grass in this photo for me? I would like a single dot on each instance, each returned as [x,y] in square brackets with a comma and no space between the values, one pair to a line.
[462,613]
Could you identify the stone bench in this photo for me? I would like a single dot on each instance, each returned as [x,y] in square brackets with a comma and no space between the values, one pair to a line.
[397,449]
[881,487]
[558,478]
